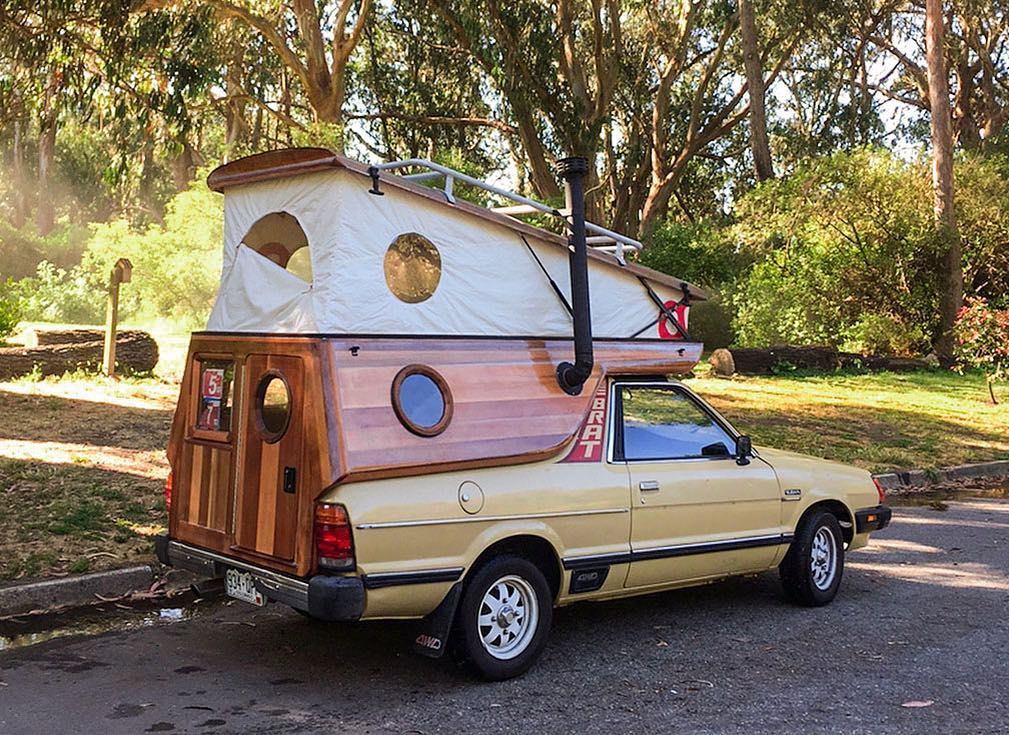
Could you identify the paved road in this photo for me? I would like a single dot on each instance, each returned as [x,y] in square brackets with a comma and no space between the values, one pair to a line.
[922,615]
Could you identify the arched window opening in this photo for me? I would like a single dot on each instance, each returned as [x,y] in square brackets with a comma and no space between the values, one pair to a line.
[279,237]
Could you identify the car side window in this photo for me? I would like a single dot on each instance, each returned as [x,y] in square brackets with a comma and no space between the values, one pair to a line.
[665,423]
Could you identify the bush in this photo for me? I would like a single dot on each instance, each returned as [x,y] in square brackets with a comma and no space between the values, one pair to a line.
[883,334]
[58,295]
[10,308]
[844,255]
[982,340]
[176,265]
[702,253]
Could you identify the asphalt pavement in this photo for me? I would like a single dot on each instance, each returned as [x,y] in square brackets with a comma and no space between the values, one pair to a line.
[916,642]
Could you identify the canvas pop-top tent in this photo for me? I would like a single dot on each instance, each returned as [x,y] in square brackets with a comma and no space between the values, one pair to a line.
[388,256]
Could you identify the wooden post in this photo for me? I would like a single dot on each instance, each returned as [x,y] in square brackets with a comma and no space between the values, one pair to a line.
[121,273]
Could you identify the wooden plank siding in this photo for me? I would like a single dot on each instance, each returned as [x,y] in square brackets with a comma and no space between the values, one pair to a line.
[507,409]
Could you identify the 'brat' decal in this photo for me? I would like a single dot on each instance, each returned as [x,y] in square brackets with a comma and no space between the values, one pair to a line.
[589,445]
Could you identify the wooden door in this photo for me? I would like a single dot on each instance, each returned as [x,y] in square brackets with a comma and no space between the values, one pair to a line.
[272,456]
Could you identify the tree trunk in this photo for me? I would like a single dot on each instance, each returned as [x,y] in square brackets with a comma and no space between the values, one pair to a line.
[148,176]
[759,145]
[45,215]
[236,135]
[951,297]
[183,167]
[22,209]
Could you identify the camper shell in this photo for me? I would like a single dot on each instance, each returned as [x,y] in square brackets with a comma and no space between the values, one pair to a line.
[400,392]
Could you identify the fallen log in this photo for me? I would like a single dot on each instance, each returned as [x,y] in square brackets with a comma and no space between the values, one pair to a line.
[782,358]
[135,352]
[882,362]
[45,337]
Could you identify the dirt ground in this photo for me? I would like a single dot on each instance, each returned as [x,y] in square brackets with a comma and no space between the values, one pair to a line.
[82,468]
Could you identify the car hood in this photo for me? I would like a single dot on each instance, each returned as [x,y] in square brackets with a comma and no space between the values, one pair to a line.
[802,470]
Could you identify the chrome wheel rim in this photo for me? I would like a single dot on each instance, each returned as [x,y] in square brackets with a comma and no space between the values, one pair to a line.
[508,616]
[823,558]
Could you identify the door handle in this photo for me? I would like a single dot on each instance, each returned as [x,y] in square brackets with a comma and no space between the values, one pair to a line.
[290,480]
[648,486]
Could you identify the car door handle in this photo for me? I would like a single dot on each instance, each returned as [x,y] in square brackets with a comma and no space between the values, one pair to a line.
[648,486]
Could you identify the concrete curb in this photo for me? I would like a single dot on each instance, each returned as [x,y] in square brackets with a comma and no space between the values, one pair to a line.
[912,480]
[79,589]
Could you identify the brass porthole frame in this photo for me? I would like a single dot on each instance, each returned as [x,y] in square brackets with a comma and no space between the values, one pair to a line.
[446,395]
[272,437]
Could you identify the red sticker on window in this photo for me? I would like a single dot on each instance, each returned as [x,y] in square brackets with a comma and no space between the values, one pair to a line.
[589,445]
[668,330]
[213,383]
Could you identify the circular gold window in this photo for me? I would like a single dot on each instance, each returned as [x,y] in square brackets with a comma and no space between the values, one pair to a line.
[273,406]
[412,268]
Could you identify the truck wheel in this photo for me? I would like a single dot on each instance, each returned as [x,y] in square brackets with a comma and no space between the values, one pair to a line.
[811,570]
[504,617]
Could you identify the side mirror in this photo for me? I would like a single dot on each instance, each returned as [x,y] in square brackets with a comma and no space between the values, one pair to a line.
[744,450]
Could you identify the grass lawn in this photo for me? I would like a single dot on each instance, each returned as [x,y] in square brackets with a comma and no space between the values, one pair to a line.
[82,472]
[881,421]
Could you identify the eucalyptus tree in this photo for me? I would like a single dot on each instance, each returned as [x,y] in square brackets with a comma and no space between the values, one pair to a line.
[976,55]
[46,75]
[414,93]
[313,40]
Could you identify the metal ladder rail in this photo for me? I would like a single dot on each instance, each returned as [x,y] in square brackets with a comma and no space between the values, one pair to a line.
[602,236]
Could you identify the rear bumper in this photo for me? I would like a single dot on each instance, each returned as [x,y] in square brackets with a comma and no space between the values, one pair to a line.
[872,519]
[321,596]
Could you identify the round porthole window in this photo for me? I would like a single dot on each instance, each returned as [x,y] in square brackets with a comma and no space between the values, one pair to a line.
[422,401]
[412,268]
[273,406]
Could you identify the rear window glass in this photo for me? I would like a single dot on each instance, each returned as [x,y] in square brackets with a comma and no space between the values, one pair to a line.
[214,408]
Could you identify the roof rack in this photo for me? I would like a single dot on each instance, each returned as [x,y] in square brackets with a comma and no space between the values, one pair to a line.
[600,238]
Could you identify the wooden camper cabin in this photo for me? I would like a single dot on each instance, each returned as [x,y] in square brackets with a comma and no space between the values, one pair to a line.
[422,335]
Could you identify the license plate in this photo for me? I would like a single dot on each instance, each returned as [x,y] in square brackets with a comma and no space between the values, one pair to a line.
[241,586]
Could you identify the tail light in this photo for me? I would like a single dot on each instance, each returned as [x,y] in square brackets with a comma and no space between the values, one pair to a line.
[168,491]
[880,490]
[334,546]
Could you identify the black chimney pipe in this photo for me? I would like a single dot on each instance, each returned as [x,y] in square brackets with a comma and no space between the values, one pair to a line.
[571,377]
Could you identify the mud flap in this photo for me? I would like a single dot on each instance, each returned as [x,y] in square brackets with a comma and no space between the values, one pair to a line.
[432,636]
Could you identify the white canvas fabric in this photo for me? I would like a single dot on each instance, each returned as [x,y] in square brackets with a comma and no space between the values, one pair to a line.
[257,295]
[490,283]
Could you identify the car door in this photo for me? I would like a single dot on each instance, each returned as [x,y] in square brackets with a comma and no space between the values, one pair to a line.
[697,511]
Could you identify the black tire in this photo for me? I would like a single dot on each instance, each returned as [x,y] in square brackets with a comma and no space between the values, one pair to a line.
[805,583]
[526,581]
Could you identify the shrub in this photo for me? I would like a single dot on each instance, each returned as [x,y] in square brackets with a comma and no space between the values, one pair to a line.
[883,334]
[176,265]
[844,253]
[982,340]
[11,308]
[59,295]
